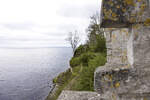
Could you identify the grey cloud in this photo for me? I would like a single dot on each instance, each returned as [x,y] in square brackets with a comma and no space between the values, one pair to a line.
[46,43]
[68,27]
[26,39]
[63,29]
[78,11]
[18,26]
[59,34]
[72,17]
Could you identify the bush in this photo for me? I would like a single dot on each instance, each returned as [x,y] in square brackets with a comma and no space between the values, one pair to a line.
[86,57]
[75,61]
[82,59]
[100,45]
[99,60]
[85,80]
[87,75]
[62,77]
[80,50]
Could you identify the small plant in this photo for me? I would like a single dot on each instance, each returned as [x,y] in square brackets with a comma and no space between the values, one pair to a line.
[86,57]
[80,50]
[75,61]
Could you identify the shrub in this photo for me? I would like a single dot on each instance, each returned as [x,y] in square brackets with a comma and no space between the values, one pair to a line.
[75,61]
[86,57]
[99,60]
[62,77]
[87,75]
[100,45]
[82,59]
[85,80]
[80,50]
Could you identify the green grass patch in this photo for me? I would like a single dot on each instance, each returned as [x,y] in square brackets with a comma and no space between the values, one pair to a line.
[84,80]
[61,81]
[81,77]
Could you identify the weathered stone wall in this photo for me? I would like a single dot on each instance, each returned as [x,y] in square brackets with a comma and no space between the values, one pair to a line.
[141,45]
[126,76]
[117,45]
[122,13]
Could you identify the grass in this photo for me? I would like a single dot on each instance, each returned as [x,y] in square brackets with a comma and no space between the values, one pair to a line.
[84,80]
[80,77]
[61,82]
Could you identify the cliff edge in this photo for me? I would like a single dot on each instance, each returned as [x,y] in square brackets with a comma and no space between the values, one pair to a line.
[126,75]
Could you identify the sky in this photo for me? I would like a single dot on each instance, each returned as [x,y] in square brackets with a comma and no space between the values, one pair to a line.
[43,23]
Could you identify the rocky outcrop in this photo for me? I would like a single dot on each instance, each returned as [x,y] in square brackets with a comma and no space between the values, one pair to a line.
[126,76]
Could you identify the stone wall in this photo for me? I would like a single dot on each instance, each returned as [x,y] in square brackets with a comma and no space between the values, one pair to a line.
[126,75]
[122,13]
[117,45]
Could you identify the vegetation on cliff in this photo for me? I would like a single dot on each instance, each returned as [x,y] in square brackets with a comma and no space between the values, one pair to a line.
[86,58]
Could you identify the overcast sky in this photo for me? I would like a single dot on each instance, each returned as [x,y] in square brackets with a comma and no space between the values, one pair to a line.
[43,23]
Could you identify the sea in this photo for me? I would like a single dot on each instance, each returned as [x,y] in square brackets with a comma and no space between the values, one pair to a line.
[27,73]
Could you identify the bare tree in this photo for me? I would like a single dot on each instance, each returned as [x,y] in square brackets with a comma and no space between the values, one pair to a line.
[73,39]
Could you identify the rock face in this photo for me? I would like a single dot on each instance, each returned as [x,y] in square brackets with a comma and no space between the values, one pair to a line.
[122,13]
[126,76]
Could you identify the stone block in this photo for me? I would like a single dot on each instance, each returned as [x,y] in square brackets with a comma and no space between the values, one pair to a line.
[117,45]
[123,13]
[78,95]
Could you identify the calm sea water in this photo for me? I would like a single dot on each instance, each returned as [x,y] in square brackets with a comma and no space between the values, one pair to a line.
[26,74]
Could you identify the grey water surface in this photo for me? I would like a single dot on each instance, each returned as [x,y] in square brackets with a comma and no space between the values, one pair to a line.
[26,74]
